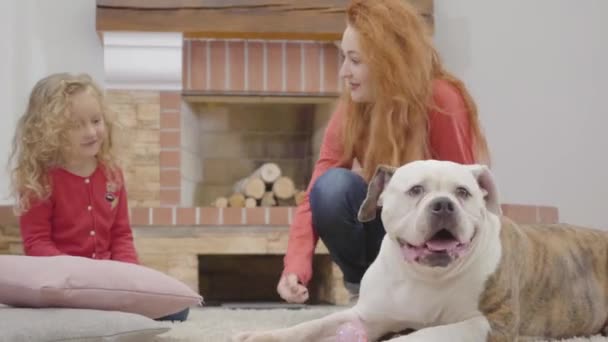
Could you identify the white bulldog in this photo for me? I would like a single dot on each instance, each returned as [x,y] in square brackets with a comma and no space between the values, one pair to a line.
[452,269]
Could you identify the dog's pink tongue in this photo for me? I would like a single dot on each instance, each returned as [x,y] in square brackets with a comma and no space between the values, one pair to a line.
[441,245]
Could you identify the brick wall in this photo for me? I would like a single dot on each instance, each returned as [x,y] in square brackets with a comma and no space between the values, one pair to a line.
[149,144]
[138,113]
[261,66]
[170,158]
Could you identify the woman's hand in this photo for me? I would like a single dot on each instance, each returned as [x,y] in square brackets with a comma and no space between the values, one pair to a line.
[291,290]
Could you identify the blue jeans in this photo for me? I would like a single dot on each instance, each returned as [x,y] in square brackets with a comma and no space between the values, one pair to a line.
[335,199]
[178,316]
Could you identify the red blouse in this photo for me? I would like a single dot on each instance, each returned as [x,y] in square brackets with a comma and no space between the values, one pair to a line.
[84,216]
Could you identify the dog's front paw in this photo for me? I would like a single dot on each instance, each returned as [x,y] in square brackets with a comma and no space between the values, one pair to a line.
[254,336]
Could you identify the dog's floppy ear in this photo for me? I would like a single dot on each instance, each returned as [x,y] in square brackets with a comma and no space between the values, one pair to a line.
[383,174]
[485,179]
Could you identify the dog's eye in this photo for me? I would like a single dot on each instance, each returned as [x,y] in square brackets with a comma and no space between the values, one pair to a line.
[462,192]
[416,190]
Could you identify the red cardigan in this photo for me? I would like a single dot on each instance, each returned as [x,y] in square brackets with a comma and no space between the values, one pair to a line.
[449,139]
[84,216]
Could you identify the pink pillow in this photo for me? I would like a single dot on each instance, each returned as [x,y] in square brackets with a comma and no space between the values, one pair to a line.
[83,283]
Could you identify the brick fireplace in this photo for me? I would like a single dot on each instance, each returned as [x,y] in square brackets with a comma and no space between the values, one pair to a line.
[262,101]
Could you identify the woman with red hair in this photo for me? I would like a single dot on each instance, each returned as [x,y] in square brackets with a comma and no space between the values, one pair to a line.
[399,105]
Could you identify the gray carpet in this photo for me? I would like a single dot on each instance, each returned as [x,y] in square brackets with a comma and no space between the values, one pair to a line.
[218,324]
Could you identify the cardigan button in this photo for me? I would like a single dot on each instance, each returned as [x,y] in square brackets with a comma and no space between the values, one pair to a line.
[92,233]
[86,180]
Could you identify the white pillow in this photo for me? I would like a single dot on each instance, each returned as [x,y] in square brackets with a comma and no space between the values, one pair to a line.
[46,325]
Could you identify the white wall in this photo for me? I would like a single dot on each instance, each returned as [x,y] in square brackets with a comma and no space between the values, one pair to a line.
[536,68]
[39,37]
[538,72]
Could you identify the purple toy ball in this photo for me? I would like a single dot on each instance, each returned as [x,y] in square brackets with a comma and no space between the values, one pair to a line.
[351,332]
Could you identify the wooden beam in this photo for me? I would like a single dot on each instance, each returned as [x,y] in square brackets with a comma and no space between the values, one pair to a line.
[246,19]
[219,4]
[263,19]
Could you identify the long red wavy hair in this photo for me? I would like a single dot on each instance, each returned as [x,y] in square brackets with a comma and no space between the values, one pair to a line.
[403,64]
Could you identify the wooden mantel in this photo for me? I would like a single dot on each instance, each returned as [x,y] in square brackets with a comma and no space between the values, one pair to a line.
[253,19]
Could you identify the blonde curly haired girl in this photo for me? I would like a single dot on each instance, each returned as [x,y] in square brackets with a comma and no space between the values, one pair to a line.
[69,189]
[42,140]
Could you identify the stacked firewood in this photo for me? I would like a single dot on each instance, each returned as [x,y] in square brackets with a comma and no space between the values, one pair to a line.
[265,187]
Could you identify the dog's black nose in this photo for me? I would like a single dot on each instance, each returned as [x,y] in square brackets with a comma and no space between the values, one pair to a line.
[442,206]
